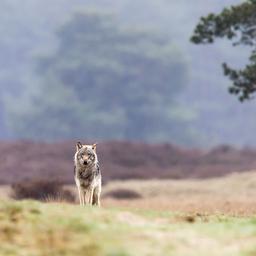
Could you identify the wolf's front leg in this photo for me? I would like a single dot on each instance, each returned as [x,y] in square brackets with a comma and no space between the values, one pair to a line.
[80,195]
[96,196]
[90,196]
[84,197]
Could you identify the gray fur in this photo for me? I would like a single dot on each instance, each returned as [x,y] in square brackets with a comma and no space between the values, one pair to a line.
[87,174]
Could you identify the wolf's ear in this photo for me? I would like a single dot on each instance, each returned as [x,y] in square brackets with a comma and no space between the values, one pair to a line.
[78,145]
[94,146]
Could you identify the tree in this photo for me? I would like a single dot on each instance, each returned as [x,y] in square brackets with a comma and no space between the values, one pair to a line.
[238,24]
[105,81]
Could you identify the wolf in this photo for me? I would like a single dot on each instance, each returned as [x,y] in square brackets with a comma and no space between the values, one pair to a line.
[87,174]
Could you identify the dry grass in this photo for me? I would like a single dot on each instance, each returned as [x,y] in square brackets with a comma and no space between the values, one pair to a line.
[5,192]
[233,195]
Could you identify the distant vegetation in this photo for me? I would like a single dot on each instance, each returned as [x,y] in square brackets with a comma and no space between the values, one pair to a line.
[120,161]
[56,82]
[105,81]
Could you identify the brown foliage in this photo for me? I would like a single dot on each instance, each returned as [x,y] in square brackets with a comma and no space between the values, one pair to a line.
[24,160]
[41,190]
[123,194]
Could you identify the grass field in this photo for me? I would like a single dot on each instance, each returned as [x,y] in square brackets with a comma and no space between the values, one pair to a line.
[31,228]
[234,195]
[180,218]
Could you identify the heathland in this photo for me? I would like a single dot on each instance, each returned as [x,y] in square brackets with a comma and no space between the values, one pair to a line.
[157,200]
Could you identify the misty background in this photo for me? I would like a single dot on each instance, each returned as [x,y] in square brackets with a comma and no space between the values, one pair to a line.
[106,69]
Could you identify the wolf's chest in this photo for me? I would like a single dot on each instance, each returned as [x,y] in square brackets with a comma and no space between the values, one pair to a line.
[86,175]
[85,179]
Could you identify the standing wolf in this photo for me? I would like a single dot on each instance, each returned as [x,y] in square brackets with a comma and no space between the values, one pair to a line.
[87,174]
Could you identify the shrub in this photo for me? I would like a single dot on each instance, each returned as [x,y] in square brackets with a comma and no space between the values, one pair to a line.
[123,194]
[41,190]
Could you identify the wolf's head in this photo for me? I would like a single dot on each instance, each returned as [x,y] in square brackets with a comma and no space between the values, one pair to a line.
[85,154]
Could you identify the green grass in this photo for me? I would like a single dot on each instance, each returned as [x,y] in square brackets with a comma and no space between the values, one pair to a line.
[31,228]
